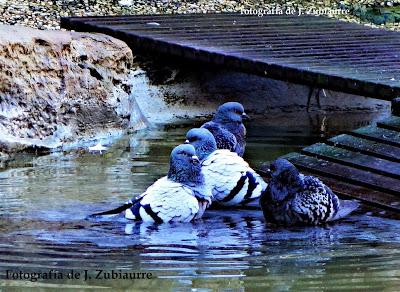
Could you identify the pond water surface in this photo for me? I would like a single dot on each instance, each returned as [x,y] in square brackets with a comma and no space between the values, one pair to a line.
[44,202]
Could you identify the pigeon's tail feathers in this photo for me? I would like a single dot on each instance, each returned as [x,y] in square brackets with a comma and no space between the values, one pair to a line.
[346,207]
[117,210]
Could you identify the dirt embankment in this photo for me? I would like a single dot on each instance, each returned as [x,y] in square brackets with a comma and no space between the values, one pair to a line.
[59,87]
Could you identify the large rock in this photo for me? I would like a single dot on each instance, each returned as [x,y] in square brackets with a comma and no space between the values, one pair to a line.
[58,88]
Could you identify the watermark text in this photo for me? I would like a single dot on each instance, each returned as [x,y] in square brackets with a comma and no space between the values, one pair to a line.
[260,12]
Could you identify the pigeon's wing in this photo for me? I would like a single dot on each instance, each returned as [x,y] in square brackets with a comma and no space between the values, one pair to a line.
[240,136]
[165,201]
[342,207]
[224,138]
[231,179]
[314,203]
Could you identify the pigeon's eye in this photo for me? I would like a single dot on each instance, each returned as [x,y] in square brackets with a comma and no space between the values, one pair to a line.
[272,168]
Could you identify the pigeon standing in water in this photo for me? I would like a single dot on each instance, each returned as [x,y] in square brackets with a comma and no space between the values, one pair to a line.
[231,179]
[227,127]
[292,198]
[181,196]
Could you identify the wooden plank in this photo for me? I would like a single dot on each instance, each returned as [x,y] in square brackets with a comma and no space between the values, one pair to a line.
[392,123]
[179,35]
[367,147]
[346,174]
[354,159]
[379,135]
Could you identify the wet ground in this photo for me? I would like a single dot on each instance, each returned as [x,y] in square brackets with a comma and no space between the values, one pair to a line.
[44,202]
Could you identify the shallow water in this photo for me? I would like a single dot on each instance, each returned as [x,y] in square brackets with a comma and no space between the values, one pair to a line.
[44,202]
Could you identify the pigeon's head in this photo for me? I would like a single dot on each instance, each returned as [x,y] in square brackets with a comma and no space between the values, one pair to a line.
[283,172]
[230,112]
[183,155]
[202,140]
[184,165]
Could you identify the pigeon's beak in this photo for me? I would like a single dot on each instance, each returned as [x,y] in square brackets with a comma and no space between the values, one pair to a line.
[245,117]
[187,141]
[195,159]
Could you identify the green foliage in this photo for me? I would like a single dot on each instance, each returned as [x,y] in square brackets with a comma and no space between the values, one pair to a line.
[376,15]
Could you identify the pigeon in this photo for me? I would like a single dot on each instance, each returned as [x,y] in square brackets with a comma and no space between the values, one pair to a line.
[227,127]
[228,175]
[181,196]
[292,198]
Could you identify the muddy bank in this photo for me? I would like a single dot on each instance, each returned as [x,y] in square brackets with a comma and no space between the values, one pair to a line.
[59,88]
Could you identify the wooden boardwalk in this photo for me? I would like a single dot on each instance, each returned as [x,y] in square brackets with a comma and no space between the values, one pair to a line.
[316,51]
[362,164]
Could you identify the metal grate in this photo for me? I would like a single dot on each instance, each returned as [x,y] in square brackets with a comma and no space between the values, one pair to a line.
[316,51]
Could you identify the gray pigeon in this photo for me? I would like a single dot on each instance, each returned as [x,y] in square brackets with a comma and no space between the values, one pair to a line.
[292,198]
[181,196]
[227,127]
[230,178]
